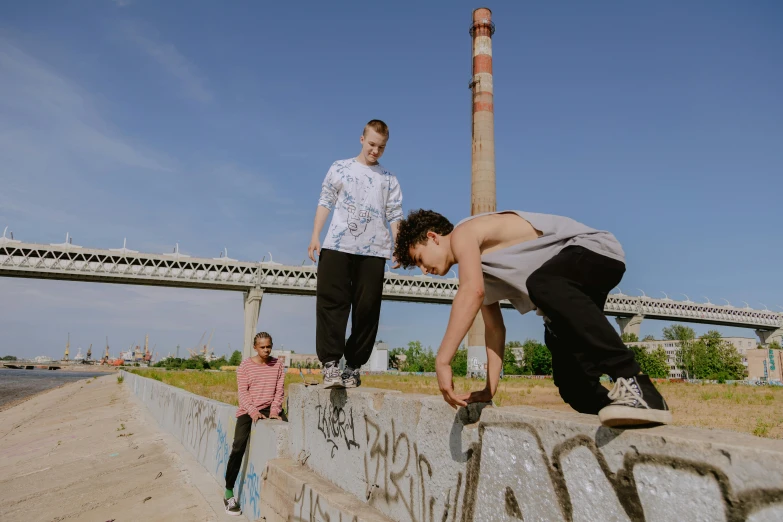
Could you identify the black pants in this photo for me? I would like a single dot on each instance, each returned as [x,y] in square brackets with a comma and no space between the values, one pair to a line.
[241,434]
[571,290]
[347,284]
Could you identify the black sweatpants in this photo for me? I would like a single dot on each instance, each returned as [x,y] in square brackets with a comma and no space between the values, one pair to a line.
[241,434]
[347,284]
[571,290]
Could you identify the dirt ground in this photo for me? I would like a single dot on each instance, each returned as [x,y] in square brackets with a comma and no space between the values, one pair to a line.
[84,452]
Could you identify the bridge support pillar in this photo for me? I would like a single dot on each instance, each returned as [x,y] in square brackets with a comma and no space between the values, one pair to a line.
[630,325]
[253,299]
[769,336]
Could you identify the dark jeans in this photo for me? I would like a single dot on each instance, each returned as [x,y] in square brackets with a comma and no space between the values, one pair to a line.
[241,434]
[347,284]
[571,290]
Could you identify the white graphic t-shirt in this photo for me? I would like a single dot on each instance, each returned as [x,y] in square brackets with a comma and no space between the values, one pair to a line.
[365,198]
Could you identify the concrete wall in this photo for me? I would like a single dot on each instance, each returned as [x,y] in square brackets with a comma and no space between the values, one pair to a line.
[384,455]
[206,428]
[413,458]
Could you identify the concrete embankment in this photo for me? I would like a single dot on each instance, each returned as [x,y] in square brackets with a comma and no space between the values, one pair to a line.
[85,451]
[372,454]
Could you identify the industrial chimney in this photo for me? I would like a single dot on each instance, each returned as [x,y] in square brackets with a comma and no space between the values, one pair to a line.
[482,192]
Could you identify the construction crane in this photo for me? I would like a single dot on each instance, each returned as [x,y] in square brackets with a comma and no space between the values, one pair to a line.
[194,353]
[206,346]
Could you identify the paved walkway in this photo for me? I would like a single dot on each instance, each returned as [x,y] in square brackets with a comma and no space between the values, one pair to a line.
[86,451]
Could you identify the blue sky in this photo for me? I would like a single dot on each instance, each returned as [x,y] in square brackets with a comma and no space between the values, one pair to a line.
[213,124]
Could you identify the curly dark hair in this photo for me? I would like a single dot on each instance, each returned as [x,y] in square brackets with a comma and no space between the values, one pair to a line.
[413,231]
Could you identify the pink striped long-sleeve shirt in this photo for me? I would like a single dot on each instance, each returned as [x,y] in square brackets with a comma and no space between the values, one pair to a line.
[260,385]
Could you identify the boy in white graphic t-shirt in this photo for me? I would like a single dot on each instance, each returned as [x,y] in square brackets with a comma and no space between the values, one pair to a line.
[367,201]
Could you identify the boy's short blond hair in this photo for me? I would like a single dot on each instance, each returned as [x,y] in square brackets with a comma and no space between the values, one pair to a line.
[378,126]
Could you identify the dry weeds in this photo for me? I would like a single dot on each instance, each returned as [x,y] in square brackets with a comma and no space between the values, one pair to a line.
[747,409]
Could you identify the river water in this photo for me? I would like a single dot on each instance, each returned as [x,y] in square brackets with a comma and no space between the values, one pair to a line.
[16,385]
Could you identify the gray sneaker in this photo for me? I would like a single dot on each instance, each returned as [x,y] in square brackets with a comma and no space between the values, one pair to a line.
[351,378]
[332,377]
[232,507]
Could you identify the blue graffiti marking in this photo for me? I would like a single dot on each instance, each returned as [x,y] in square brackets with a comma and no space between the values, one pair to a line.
[222,452]
[251,492]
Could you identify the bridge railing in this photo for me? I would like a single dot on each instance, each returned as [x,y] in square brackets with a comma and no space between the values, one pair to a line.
[76,263]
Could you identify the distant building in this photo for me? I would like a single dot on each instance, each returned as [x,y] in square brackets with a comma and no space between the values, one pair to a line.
[765,364]
[672,349]
[379,359]
[304,360]
[285,355]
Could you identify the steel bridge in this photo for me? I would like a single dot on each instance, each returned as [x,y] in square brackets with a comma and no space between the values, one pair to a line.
[66,261]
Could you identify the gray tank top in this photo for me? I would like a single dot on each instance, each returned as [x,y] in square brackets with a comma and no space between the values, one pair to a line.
[506,270]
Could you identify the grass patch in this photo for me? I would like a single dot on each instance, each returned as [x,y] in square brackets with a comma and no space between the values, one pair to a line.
[722,406]
[121,378]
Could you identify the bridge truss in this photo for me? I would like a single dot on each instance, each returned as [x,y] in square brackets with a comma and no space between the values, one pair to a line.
[121,266]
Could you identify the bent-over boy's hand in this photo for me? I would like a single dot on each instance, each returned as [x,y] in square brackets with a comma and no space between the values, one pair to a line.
[484,395]
[275,417]
[446,385]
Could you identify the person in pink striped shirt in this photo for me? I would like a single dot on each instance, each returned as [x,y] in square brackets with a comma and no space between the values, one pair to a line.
[260,382]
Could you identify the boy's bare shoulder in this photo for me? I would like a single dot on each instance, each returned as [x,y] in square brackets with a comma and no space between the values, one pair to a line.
[468,229]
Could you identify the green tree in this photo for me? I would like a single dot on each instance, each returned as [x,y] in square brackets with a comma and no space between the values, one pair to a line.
[528,347]
[658,364]
[541,360]
[686,336]
[218,363]
[648,338]
[653,363]
[394,358]
[710,357]
[9,358]
[427,361]
[235,359]
[678,332]
[629,337]
[774,345]
[510,365]
[459,365]
[417,359]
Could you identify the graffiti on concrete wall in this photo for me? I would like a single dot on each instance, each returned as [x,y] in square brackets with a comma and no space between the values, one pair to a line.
[309,507]
[222,449]
[336,424]
[199,422]
[576,481]
[251,491]
[398,473]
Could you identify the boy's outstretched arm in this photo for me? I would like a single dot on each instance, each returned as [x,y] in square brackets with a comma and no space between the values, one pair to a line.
[394,213]
[467,303]
[395,227]
[495,337]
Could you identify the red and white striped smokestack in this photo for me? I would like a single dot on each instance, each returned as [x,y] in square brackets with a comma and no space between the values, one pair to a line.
[482,191]
[483,172]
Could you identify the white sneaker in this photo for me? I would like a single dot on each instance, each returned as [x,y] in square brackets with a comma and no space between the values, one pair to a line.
[232,507]
[332,376]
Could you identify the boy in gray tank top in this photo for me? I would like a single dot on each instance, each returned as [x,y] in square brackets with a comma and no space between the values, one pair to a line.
[552,264]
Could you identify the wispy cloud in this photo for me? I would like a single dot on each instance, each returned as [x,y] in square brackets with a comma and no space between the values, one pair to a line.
[171,60]
[55,145]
